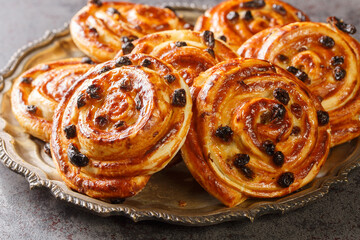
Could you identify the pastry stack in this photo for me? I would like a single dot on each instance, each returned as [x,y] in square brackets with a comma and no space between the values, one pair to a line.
[253,97]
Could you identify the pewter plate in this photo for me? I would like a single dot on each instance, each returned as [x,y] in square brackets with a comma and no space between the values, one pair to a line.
[171,195]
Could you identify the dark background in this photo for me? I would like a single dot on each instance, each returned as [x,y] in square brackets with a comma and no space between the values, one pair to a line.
[36,214]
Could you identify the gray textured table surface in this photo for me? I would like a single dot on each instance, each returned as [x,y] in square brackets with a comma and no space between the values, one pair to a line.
[35,214]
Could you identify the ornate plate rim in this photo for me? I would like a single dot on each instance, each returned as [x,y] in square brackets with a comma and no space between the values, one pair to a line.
[35,180]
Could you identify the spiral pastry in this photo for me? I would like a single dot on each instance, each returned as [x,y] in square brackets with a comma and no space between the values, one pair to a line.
[235,21]
[120,123]
[188,52]
[256,132]
[326,58]
[37,92]
[102,29]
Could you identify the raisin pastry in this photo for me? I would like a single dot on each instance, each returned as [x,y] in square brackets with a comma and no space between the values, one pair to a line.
[257,132]
[101,29]
[235,21]
[326,58]
[120,123]
[188,52]
[37,92]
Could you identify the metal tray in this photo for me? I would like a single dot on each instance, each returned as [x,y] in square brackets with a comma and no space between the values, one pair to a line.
[171,195]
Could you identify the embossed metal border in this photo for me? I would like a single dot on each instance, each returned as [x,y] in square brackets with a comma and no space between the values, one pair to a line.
[136,215]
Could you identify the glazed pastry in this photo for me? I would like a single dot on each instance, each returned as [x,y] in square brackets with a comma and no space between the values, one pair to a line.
[100,30]
[235,21]
[120,123]
[37,92]
[257,132]
[326,58]
[188,52]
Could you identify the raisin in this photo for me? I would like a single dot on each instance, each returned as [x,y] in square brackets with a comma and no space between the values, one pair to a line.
[87,60]
[337,60]
[222,37]
[112,11]
[211,52]
[180,44]
[70,131]
[232,16]
[76,157]
[269,147]
[47,149]
[225,133]
[327,41]
[96,2]
[286,179]
[296,109]
[278,112]
[170,78]
[340,24]
[323,117]
[278,158]
[119,124]
[292,69]
[248,173]
[126,39]
[266,117]
[145,63]
[248,16]
[302,76]
[31,109]
[93,31]
[279,9]
[295,131]
[281,95]
[26,80]
[81,100]
[301,16]
[138,102]
[282,58]
[127,47]
[253,4]
[93,91]
[123,61]
[339,73]
[125,84]
[171,9]
[179,98]
[209,39]
[241,160]
[101,121]
[104,70]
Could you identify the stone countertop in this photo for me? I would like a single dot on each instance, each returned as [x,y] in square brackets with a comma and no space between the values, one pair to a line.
[36,214]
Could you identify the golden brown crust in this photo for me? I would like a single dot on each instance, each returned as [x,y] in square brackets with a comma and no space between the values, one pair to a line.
[128,123]
[329,60]
[37,92]
[98,30]
[187,51]
[238,21]
[239,95]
